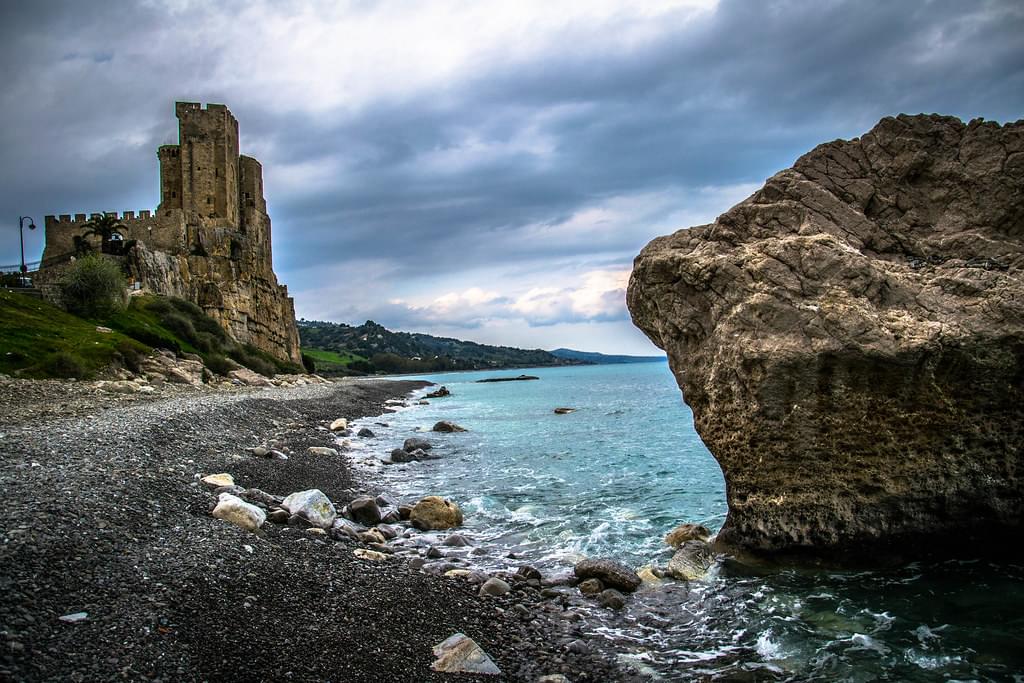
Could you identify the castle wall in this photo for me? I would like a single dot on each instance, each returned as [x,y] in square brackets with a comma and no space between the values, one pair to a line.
[209,239]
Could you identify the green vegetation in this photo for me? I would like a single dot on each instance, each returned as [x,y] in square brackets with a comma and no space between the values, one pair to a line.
[40,340]
[93,287]
[44,341]
[346,350]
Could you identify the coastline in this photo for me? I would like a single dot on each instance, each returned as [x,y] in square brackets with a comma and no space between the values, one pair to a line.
[104,514]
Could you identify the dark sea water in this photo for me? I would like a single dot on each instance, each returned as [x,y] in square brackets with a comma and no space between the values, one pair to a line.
[613,477]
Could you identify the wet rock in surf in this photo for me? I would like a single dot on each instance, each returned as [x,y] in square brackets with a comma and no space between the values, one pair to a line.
[687,532]
[435,512]
[440,393]
[691,561]
[447,427]
[851,341]
[414,443]
[612,573]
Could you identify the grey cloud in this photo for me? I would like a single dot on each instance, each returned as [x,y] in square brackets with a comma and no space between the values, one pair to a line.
[729,98]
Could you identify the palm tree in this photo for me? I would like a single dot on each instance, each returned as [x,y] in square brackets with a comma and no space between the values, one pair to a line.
[104,225]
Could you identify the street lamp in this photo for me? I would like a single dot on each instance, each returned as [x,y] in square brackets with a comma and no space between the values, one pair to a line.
[21,233]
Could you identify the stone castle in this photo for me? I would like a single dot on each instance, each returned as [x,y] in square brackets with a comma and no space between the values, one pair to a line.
[209,239]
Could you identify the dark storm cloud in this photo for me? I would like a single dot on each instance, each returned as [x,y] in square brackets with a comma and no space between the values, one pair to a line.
[465,174]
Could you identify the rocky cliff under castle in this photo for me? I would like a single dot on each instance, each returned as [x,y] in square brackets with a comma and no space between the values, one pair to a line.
[209,239]
[851,341]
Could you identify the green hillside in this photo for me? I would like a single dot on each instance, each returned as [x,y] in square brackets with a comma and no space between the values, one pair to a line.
[39,340]
[370,348]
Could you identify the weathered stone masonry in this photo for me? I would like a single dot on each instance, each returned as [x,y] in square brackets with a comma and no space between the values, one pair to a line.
[209,240]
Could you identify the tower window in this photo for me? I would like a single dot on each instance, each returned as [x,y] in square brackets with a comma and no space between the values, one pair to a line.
[209,199]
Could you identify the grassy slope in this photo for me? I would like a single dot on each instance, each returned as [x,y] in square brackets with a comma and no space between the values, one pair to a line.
[41,340]
[332,357]
[33,333]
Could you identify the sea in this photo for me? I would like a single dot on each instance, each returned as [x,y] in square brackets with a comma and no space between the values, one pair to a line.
[613,477]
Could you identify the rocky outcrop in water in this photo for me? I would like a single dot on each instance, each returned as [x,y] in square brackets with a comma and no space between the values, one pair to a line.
[851,341]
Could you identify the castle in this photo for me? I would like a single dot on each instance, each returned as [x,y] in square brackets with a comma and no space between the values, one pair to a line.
[209,239]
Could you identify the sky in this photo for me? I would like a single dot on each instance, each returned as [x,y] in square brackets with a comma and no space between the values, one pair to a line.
[476,169]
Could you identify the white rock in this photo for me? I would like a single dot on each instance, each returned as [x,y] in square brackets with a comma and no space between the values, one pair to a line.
[321,450]
[218,480]
[250,378]
[313,506]
[461,654]
[339,424]
[371,555]
[74,618]
[235,510]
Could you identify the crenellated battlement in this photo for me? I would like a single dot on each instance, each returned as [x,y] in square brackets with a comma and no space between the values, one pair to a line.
[85,218]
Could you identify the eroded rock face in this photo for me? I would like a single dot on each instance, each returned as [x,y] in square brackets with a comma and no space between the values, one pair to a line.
[851,341]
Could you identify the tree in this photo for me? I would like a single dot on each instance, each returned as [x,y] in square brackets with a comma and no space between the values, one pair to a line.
[93,287]
[105,225]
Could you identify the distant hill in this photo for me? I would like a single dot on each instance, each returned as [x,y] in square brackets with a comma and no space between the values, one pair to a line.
[601,358]
[345,349]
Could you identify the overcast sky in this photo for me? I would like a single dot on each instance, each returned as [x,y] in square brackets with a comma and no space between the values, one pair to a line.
[484,170]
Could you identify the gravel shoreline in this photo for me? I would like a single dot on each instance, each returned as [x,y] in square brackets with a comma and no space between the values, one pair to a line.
[103,514]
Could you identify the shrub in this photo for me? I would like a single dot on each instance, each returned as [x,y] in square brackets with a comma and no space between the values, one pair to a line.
[309,364]
[179,325]
[131,356]
[63,364]
[93,287]
[218,364]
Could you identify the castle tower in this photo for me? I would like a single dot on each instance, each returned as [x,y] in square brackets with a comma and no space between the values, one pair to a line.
[199,175]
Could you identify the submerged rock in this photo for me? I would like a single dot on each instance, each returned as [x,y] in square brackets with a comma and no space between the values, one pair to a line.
[612,573]
[691,561]
[564,411]
[446,426]
[461,654]
[440,393]
[851,341]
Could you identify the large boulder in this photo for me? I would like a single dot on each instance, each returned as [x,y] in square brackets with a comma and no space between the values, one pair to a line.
[612,573]
[851,341]
[461,654]
[435,512]
[312,506]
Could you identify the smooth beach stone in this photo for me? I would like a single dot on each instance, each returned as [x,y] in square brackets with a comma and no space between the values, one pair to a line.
[414,443]
[461,654]
[260,497]
[313,506]
[218,480]
[405,511]
[279,516]
[321,450]
[231,508]
[494,587]
[528,572]
[339,424]
[446,426]
[389,532]
[687,532]
[591,586]
[648,576]
[455,540]
[372,536]
[612,573]
[372,555]
[364,510]
[691,561]
[366,433]
[435,512]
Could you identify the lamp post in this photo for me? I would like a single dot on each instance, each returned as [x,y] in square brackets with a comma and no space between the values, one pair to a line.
[21,234]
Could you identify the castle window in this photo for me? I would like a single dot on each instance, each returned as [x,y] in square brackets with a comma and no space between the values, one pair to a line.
[209,199]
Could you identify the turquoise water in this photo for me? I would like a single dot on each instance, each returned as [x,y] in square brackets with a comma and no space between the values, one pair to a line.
[613,477]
